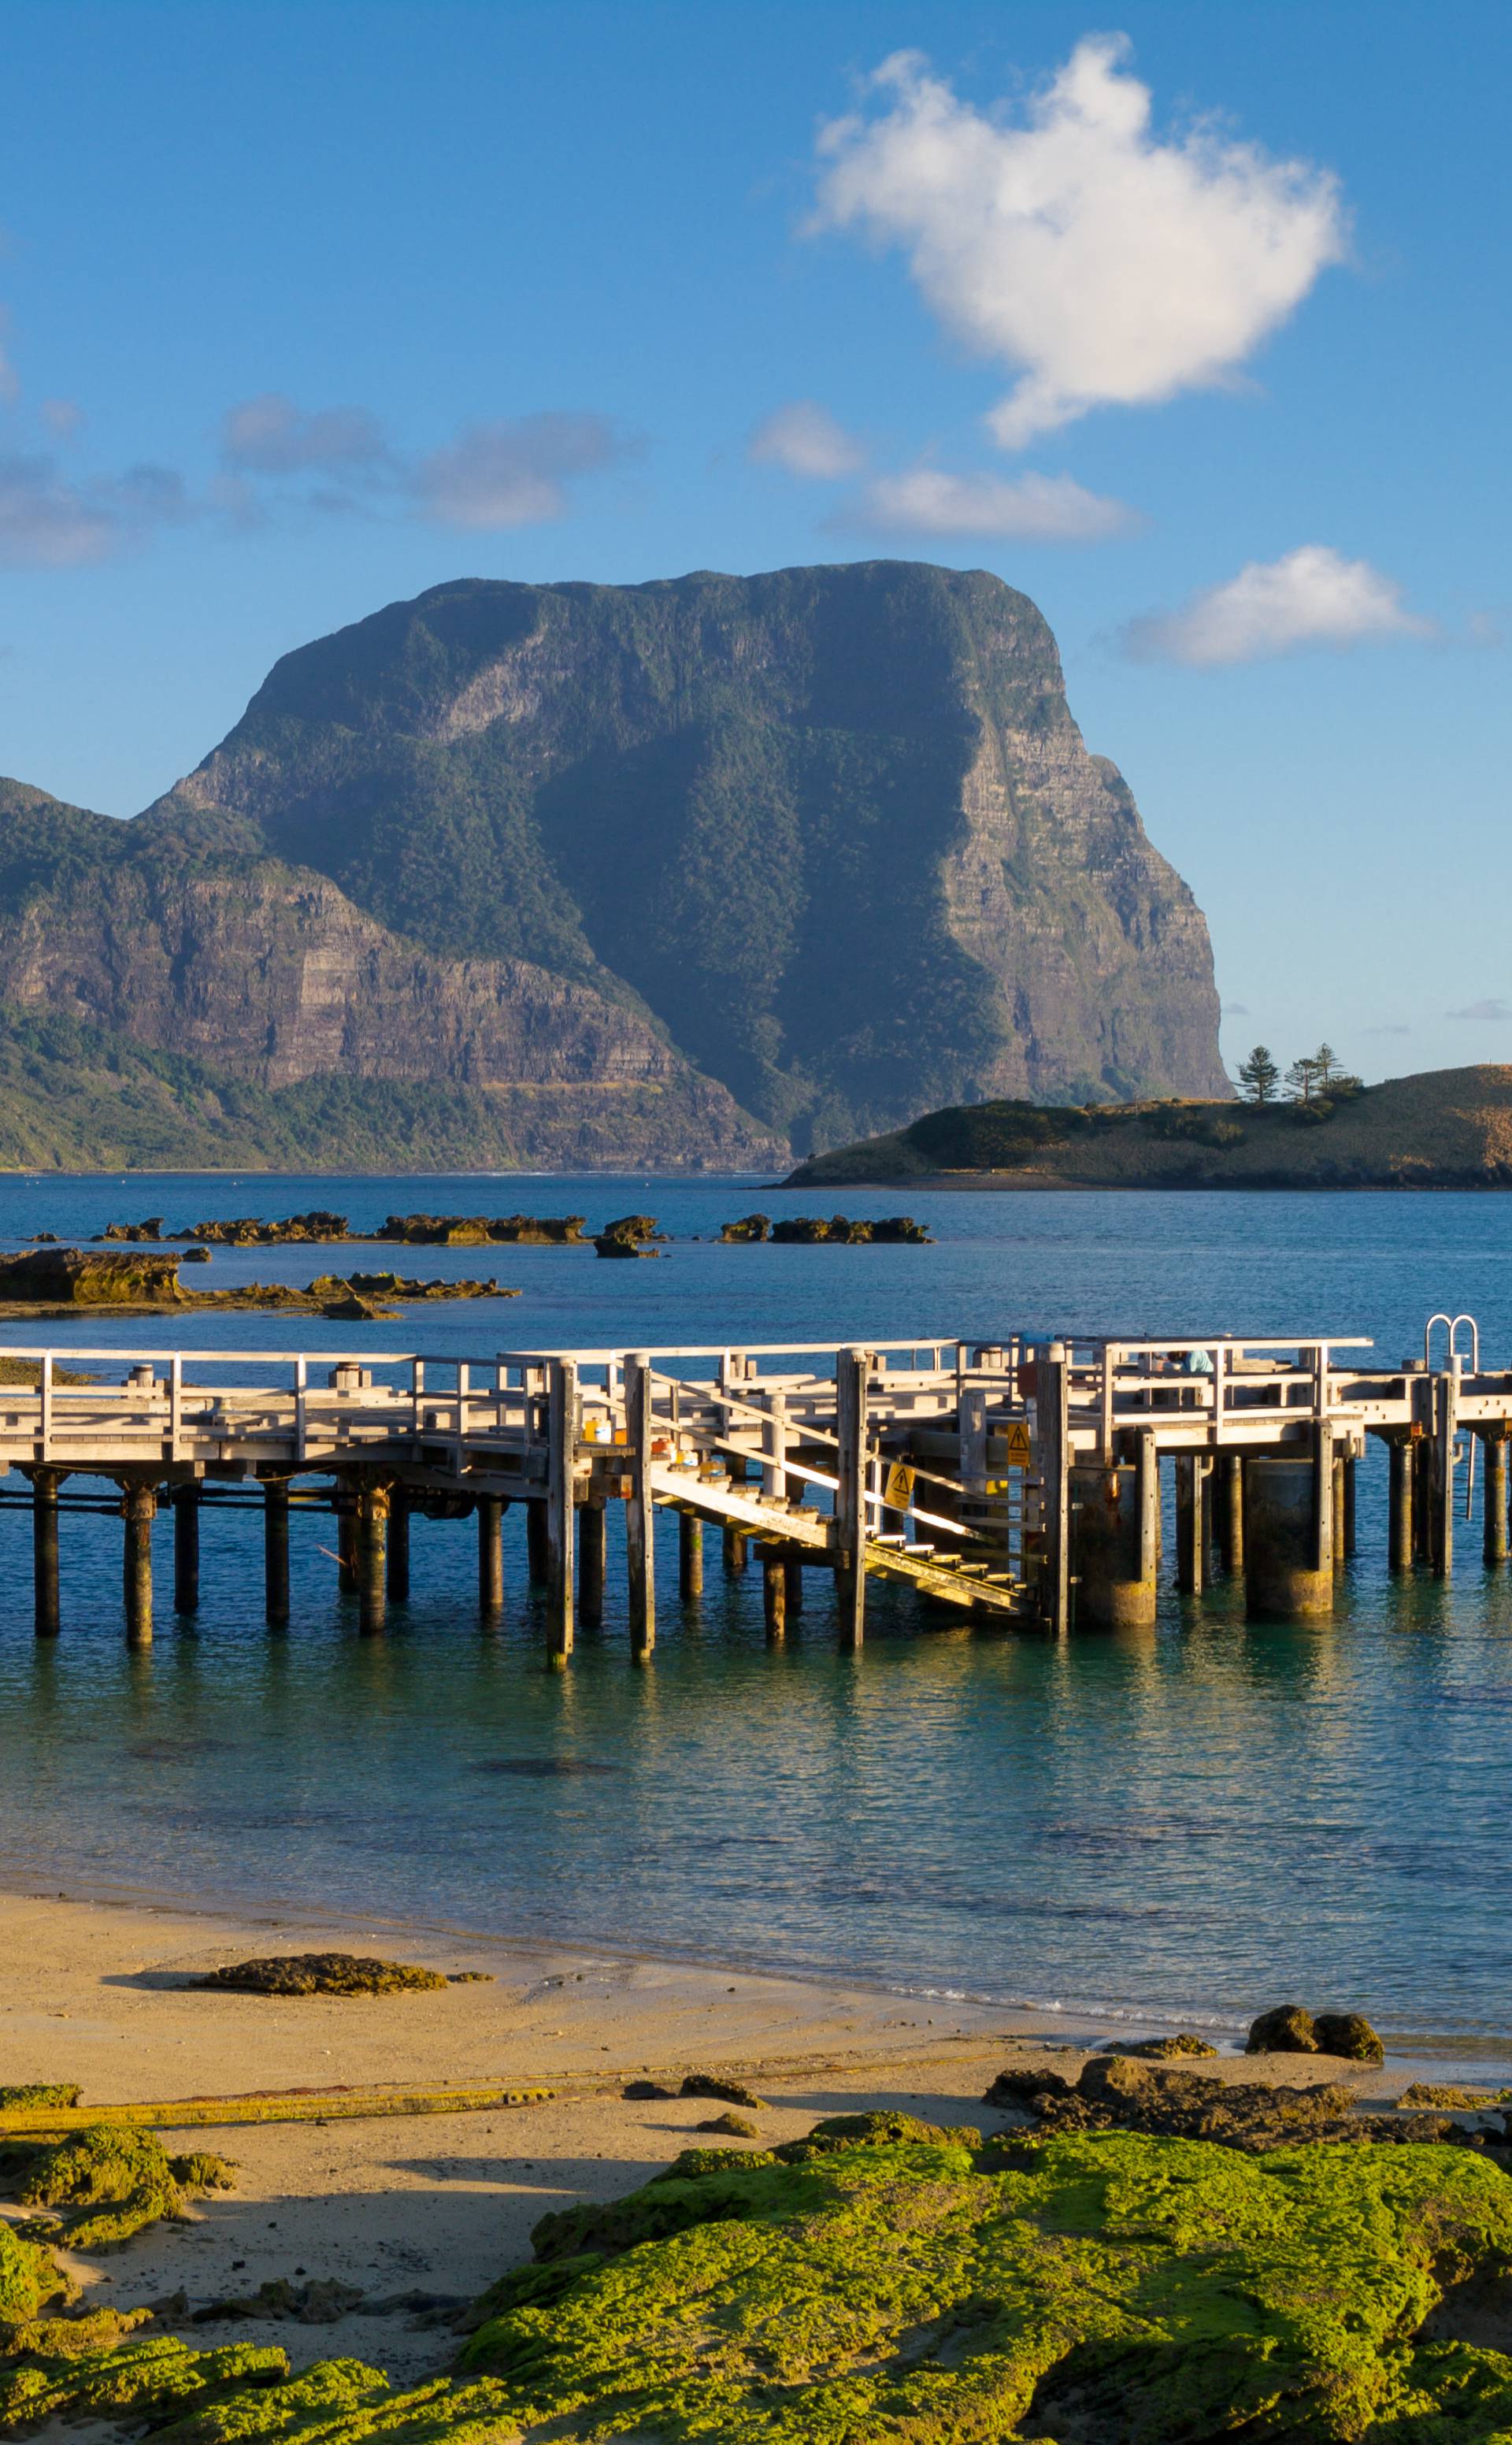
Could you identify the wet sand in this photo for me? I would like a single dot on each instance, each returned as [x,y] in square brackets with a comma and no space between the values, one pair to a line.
[443,2203]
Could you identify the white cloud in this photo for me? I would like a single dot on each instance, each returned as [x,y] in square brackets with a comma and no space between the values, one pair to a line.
[1106,265]
[805,440]
[270,436]
[512,472]
[1492,1008]
[46,522]
[1312,596]
[1032,509]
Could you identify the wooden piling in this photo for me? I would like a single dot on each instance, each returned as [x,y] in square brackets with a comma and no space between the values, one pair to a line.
[639,1514]
[1228,1470]
[372,1538]
[592,1542]
[276,1552]
[735,1552]
[47,1615]
[793,1568]
[775,1592]
[138,1508]
[1340,1502]
[397,1562]
[1345,1526]
[1400,1533]
[346,1505]
[690,1554]
[1147,1500]
[852,1371]
[490,1517]
[564,1424]
[1191,1522]
[1446,1426]
[186,1549]
[1495,1500]
[1053,1452]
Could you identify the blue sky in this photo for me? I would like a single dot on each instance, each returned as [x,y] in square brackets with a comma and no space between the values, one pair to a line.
[308,308]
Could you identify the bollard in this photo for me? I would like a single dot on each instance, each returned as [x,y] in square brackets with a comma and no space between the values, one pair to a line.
[1114,1591]
[140,1507]
[690,1554]
[276,1552]
[592,1544]
[186,1549]
[45,1484]
[1288,1545]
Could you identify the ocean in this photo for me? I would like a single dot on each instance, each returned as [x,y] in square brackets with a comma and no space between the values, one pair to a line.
[1190,1823]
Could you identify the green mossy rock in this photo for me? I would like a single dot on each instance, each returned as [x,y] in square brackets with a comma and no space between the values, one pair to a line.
[321,1973]
[29,2278]
[38,2096]
[145,2381]
[107,2182]
[1286,2030]
[1348,2034]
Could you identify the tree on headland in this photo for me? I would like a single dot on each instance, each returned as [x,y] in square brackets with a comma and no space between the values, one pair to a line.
[1319,1076]
[1259,1076]
[1302,1077]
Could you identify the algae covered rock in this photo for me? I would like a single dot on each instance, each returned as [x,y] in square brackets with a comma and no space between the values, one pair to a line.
[1021,2087]
[39,2095]
[107,2182]
[148,2380]
[731,2092]
[29,2278]
[1165,2049]
[1348,2034]
[1286,2030]
[320,1974]
[733,2125]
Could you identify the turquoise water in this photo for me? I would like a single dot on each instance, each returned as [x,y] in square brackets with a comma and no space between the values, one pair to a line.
[1196,1821]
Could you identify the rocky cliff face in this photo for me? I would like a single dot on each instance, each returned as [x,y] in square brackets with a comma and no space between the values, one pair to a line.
[836,827]
[637,863]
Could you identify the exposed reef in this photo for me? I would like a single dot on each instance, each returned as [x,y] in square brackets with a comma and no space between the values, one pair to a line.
[321,1973]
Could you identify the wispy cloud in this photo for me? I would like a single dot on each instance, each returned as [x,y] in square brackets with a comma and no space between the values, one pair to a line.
[1492,1007]
[514,470]
[1312,596]
[1236,1010]
[1106,265]
[805,440]
[270,436]
[49,522]
[1030,509]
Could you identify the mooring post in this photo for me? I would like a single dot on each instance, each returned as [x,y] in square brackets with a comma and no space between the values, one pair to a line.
[638,1528]
[1229,1472]
[186,1549]
[852,1367]
[398,1558]
[490,1517]
[1192,1543]
[45,1484]
[1446,1426]
[690,1554]
[372,1537]
[561,1416]
[1050,1416]
[139,1508]
[792,1569]
[775,1592]
[276,1552]
[1400,1538]
[345,1506]
[1495,1499]
[592,1541]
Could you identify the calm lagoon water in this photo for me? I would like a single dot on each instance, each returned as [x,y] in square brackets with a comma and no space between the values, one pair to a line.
[1196,1821]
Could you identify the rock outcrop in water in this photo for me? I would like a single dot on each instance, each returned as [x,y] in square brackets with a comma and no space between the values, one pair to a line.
[667,873]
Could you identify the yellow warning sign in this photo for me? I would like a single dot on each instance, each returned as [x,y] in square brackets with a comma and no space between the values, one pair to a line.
[897,1491]
[1018,1441]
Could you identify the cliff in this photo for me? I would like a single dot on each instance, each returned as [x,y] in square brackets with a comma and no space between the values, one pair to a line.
[1441,1128]
[675,873]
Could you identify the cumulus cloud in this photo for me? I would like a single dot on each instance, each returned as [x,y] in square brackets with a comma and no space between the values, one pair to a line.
[805,440]
[48,522]
[512,472]
[1312,596]
[270,436]
[1493,1007]
[1032,509]
[1106,265]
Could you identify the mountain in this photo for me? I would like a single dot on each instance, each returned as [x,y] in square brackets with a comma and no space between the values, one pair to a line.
[1441,1128]
[677,873]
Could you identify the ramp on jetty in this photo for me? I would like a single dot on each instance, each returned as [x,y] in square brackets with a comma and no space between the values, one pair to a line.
[1019,1482]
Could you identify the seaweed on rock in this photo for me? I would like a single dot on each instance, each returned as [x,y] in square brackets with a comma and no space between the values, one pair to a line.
[106,2182]
[321,1973]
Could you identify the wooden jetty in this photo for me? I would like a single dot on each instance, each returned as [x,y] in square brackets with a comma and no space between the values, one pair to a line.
[1016,1482]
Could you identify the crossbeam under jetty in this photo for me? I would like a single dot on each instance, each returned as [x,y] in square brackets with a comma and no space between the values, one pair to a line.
[1016,1482]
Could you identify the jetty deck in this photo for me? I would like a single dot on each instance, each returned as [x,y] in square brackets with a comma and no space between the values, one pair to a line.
[1017,1481]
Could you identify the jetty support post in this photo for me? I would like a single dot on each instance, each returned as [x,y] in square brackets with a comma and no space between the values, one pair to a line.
[1114,1590]
[276,1552]
[1495,1499]
[1400,1539]
[774,1447]
[138,1506]
[852,1370]
[735,1556]
[1228,1477]
[775,1592]
[1146,1472]
[372,1539]
[563,1425]
[47,1615]
[690,1554]
[397,1558]
[344,1503]
[1289,1535]
[792,1570]
[1446,1426]
[488,1514]
[592,1549]
[1191,1521]
[1053,1438]
[186,1548]
[639,1518]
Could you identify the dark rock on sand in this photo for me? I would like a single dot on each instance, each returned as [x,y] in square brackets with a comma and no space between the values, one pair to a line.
[1286,2030]
[320,1974]
[733,2126]
[1348,2034]
[639,2090]
[702,2083]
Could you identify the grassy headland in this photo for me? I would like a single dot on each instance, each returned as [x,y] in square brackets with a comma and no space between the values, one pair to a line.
[1443,1128]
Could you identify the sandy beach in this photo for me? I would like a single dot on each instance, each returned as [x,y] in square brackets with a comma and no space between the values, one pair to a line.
[443,2203]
